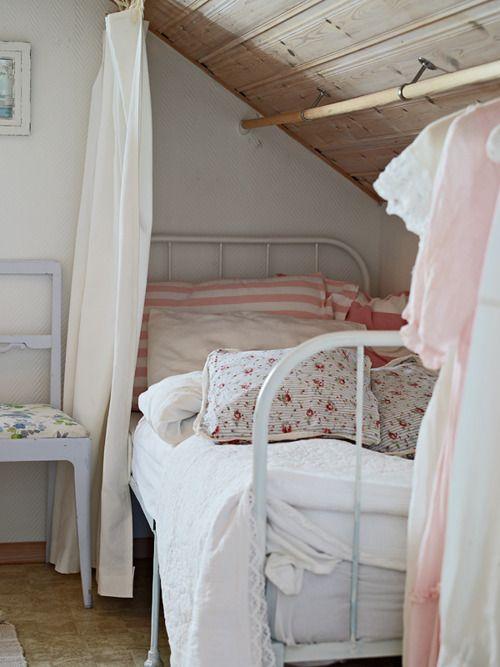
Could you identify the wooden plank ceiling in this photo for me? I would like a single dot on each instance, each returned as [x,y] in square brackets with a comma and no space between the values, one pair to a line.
[275,54]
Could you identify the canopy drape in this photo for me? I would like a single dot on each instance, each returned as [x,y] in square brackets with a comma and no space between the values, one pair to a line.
[107,298]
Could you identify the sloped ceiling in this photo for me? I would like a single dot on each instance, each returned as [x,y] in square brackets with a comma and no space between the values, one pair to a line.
[275,54]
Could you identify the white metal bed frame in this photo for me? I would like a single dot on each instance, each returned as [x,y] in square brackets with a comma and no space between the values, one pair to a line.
[354,648]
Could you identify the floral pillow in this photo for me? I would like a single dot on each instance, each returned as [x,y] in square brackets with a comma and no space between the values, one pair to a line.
[318,398]
[403,391]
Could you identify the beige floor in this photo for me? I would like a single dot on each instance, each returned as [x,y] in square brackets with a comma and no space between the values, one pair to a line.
[54,629]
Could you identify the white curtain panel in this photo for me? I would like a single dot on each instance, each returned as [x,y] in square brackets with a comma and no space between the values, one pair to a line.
[107,297]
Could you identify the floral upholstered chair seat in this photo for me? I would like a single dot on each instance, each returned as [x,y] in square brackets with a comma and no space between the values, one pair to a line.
[37,421]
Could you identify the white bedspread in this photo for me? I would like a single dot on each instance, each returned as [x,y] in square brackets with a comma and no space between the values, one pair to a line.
[213,588]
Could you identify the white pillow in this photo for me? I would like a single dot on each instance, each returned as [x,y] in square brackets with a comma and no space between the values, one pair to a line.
[170,406]
[179,342]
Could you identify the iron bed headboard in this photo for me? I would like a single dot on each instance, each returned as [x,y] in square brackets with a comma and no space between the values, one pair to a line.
[267,242]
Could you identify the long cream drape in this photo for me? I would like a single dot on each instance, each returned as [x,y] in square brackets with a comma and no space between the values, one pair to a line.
[107,296]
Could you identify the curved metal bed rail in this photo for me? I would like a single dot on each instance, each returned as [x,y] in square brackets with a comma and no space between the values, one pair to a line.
[326,342]
[268,242]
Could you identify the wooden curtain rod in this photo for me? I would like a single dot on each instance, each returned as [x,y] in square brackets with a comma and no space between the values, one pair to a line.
[438,84]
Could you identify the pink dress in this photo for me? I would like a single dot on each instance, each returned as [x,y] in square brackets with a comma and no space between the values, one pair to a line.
[440,313]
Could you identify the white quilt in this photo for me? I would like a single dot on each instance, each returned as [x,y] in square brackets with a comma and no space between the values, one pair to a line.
[213,587]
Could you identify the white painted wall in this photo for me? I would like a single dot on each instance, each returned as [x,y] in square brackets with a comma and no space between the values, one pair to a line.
[208,179]
[398,251]
[40,182]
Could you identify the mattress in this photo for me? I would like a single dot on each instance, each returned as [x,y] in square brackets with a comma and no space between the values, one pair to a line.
[148,455]
[320,612]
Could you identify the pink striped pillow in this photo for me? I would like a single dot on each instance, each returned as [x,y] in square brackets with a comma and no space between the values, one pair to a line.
[380,314]
[340,295]
[296,296]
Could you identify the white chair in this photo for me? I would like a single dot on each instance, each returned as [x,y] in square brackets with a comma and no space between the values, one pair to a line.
[34,432]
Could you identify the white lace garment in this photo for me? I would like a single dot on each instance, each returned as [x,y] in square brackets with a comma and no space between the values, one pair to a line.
[407,182]
[212,576]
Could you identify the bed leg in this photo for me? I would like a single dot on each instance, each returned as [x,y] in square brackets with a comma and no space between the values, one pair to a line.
[154,658]
[279,654]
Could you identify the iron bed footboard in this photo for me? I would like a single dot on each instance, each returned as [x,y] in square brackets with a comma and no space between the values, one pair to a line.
[354,648]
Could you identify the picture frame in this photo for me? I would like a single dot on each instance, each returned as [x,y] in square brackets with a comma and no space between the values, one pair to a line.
[15,82]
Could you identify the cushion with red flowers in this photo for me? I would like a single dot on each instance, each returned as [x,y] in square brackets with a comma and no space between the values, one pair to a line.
[403,390]
[318,398]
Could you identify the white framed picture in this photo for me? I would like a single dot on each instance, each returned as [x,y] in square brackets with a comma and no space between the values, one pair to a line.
[15,75]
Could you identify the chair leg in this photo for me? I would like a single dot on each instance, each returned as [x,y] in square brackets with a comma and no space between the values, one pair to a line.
[81,465]
[51,481]
[154,658]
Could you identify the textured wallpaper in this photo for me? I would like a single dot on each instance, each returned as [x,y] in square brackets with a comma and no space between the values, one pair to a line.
[40,187]
[209,179]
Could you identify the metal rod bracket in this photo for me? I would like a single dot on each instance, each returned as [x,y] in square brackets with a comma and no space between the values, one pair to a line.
[424,65]
[321,93]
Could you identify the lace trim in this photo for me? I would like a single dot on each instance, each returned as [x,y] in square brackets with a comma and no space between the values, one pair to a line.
[261,648]
[407,188]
